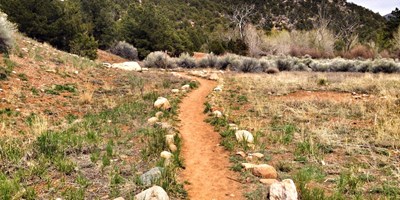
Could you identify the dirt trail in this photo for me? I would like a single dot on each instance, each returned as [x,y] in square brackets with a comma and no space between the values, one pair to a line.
[207,164]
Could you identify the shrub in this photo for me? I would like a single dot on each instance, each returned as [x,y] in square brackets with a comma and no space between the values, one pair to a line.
[186,61]
[385,66]
[247,65]
[267,63]
[6,34]
[84,45]
[125,50]
[225,62]
[209,61]
[158,59]
[359,51]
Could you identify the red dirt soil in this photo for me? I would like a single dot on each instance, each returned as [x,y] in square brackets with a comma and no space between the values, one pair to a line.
[207,163]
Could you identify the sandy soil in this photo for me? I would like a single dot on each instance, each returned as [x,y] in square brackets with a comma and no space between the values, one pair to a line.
[207,163]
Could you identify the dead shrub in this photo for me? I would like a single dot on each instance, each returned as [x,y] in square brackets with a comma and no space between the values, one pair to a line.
[360,51]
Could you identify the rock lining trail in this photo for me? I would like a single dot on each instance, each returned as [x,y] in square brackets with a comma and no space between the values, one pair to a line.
[207,163]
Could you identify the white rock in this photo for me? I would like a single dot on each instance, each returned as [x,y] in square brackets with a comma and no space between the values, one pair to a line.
[119,198]
[169,139]
[258,155]
[172,147]
[175,90]
[145,69]
[218,89]
[159,114]
[152,120]
[233,127]
[185,87]
[285,190]
[248,165]
[214,77]
[151,176]
[241,153]
[217,114]
[165,154]
[243,135]
[162,103]
[153,193]
[129,66]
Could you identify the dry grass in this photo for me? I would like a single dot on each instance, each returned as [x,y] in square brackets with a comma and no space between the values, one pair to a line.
[337,122]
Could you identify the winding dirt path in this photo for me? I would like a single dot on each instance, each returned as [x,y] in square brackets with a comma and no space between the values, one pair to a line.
[207,163]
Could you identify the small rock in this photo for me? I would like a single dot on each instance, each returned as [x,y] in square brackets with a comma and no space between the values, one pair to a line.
[159,114]
[285,190]
[258,155]
[165,154]
[119,198]
[268,182]
[241,153]
[172,147]
[217,114]
[151,176]
[175,90]
[265,171]
[248,165]
[233,127]
[169,139]
[185,87]
[244,135]
[152,120]
[214,77]
[153,193]
[218,89]
[162,103]
[76,72]
[145,69]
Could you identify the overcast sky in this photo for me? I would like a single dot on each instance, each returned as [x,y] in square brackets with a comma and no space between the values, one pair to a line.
[382,6]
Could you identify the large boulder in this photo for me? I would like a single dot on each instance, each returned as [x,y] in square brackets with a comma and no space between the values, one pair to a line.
[153,193]
[151,176]
[265,171]
[243,135]
[162,103]
[129,66]
[285,190]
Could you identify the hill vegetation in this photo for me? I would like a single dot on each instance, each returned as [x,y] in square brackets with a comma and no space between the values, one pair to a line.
[335,27]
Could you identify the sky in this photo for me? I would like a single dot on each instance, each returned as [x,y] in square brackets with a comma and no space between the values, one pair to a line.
[382,6]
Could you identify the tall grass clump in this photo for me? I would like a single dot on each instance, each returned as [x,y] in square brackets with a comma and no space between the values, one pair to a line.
[7,30]
[210,60]
[186,61]
[125,50]
[158,59]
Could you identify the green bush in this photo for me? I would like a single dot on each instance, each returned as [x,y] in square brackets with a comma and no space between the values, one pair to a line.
[6,34]
[125,50]
[84,45]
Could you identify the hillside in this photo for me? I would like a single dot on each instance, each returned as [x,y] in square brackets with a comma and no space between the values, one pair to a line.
[180,26]
[73,129]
